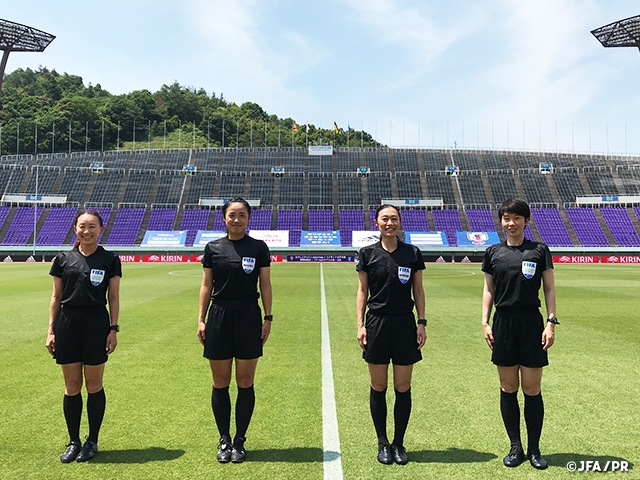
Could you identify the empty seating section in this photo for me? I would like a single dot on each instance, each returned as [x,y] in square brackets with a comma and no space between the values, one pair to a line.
[409,186]
[201,185]
[290,220]
[435,161]
[379,188]
[405,161]
[412,220]
[466,161]
[291,190]
[568,185]
[481,220]
[74,185]
[448,221]
[350,220]
[161,219]
[140,186]
[192,221]
[621,227]
[472,190]
[21,227]
[440,186]
[312,186]
[348,161]
[349,191]
[601,183]
[106,186]
[126,226]
[551,227]
[320,190]
[260,219]
[320,220]
[56,226]
[536,188]
[43,180]
[218,222]
[261,188]
[502,187]
[586,226]
[232,184]
[170,186]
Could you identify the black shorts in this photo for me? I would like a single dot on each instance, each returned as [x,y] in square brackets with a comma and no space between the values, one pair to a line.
[517,338]
[233,331]
[391,338]
[81,335]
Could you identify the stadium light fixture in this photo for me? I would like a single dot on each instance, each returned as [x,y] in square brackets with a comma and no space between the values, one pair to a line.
[623,33]
[15,37]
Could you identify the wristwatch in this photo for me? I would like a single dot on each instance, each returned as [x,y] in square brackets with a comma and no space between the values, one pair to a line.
[553,320]
[115,327]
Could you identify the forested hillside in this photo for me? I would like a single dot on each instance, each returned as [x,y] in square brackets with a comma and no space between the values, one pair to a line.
[59,113]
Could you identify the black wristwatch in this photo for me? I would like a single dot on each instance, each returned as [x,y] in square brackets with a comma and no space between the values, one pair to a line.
[115,327]
[269,318]
[553,320]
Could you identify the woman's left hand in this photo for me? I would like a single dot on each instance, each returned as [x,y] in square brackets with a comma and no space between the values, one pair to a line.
[422,336]
[548,337]
[112,341]
[266,330]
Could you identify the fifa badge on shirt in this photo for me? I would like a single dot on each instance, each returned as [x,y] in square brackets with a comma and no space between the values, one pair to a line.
[404,273]
[96,277]
[528,269]
[248,264]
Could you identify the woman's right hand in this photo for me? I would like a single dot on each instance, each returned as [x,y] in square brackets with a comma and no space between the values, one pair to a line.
[51,344]
[488,335]
[362,337]
[201,334]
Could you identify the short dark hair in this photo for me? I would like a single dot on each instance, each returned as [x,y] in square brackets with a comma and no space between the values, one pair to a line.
[517,206]
[387,205]
[236,200]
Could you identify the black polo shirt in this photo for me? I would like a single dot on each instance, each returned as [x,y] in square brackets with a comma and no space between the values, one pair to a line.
[390,276]
[517,273]
[85,279]
[236,267]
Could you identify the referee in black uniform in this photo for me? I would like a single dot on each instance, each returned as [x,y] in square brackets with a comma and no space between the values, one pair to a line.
[389,272]
[82,333]
[232,267]
[513,272]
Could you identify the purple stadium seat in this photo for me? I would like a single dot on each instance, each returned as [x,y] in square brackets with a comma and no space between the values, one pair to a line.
[192,221]
[551,227]
[56,226]
[622,229]
[21,227]
[448,221]
[587,228]
[126,226]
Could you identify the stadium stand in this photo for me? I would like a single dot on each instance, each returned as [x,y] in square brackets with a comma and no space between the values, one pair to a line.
[21,227]
[320,220]
[350,220]
[551,227]
[192,221]
[126,226]
[56,226]
[161,219]
[586,226]
[480,220]
[448,221]
[621,226]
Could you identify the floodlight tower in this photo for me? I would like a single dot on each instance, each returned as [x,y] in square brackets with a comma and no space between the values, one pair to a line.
[623,33]
[20,38]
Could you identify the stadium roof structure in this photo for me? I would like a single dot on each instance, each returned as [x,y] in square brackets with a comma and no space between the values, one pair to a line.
[623,33]
[15,37]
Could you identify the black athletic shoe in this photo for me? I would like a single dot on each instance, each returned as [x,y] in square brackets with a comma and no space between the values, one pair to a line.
[515,457]
[399,454]
[224,450]
[238,453]
[536,460]
[385,454]
[71,453]
[88,451]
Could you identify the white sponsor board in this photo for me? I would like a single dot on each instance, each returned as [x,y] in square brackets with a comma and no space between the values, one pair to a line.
[273,238]
[320,150]
[362,238]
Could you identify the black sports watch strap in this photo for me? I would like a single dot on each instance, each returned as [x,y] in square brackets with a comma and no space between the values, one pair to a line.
[553,320]
[115,327]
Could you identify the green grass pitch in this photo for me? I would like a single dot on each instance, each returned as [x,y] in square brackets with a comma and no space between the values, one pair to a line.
[159,424]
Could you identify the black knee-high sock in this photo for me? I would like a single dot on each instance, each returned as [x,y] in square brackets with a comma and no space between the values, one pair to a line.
[96,404]
[511,416]
[244,410]
[378,405]
[221,406]
[533,417]
[72,408]
[401,414]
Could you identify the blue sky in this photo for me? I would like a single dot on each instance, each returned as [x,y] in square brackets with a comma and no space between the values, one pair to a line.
[490,73]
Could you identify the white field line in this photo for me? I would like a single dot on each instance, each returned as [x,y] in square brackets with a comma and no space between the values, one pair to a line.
[331,441]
